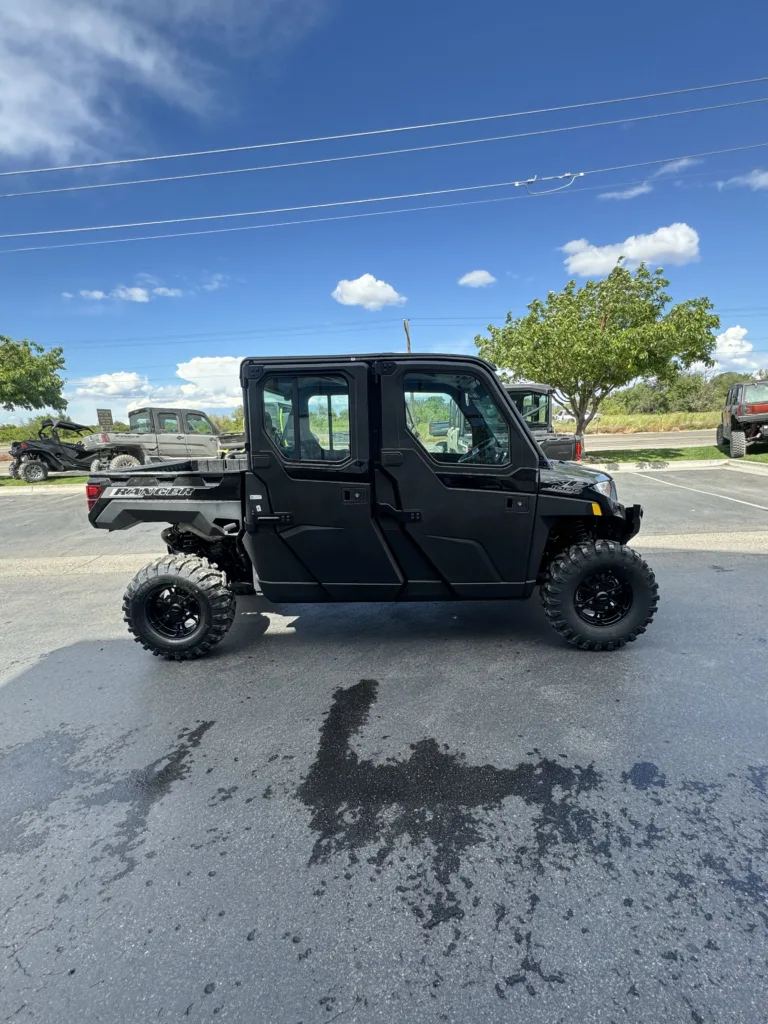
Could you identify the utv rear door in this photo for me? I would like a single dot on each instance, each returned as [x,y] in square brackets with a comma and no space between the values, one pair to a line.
[309,525]
[200,436]
[458,517]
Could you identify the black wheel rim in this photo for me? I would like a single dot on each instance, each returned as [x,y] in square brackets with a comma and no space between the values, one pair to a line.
[602,599]
[174,612]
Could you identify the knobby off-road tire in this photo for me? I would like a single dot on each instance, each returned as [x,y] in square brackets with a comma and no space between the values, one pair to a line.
[35,471]
[738,444]
[124,462]
[13,470]
[719,438]
[616,575]
[179,607]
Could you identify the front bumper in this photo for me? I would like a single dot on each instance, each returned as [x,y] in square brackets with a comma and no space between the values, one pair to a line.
[634,517]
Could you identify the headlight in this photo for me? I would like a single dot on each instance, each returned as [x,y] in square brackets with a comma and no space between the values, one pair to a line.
[606,487]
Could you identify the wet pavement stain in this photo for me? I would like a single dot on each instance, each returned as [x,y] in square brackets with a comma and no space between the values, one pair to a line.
[140,790]
[433,799]
[697,872]
[43,771]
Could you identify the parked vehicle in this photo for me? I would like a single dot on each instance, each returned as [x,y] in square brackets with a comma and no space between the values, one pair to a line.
[34,459]
[159,435]
[534,403]
[439,428]
[374,515]
[745,418]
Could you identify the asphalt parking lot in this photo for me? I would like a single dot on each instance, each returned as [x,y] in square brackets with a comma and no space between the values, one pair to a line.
[378,813]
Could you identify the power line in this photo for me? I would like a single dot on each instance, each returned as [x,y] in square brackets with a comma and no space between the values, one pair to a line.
[349,202]
[376,213]
[278,209]
[369,156]
[386,131]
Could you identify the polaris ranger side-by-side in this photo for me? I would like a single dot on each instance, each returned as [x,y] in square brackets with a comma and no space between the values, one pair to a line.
[338,498]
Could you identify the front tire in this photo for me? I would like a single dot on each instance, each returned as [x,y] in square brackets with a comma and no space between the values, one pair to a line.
[719,437]
[179,607]
[738,444]
[600,595]
[34,471]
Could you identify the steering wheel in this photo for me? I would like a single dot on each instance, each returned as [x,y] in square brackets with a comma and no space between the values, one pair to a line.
[483,446]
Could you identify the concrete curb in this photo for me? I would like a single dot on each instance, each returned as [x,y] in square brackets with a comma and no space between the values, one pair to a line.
[679,465]
[23,491]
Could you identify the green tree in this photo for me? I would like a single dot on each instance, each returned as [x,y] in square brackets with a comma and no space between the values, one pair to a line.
[29,377]
[587,342]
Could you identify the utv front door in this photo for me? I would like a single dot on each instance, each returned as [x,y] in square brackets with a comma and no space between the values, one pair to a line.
[458,516]
[309,525]
[171,440]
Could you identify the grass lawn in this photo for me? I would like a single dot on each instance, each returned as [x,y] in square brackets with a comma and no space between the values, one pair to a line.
[673,455]
[6,481]
[634,424]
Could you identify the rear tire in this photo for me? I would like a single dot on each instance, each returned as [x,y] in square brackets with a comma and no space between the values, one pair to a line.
[599,595]
[719,438]
[179,607]
[34,471]
[124,462]
[13,470]
[738,444]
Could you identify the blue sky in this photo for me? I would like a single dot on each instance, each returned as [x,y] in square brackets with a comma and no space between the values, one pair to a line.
[165,319]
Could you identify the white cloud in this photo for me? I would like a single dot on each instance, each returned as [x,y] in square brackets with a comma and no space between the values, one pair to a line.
[477,279]
[134,294]
[756,180]
[628,193]
[122,385]
[215,282]
[66,68]
[67,295]
[210,382]
[367,292]
[676,244]
[675,166]
[733,348]
[644,187]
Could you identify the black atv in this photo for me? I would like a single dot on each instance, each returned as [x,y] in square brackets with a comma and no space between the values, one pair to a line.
[33,460]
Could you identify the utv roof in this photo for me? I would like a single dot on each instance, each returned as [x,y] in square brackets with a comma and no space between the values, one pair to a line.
[529,385]
[364,357]
[64,425]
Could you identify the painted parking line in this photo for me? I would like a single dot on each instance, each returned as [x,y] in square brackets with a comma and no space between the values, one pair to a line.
[698,490]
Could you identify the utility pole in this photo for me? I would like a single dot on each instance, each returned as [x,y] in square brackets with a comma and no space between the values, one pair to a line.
[412,400]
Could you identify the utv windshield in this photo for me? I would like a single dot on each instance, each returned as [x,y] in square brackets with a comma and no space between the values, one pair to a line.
[533,407]
[756,393]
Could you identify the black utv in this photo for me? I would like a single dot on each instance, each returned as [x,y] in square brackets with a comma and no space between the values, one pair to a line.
[34,459]
[339,498]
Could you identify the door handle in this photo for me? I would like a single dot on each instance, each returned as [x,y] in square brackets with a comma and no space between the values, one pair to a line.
[391,458]
[179,437]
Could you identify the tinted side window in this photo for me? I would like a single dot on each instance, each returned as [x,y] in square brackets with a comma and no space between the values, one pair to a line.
[168,423]
[198,424]
[478,434]
[306,417]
